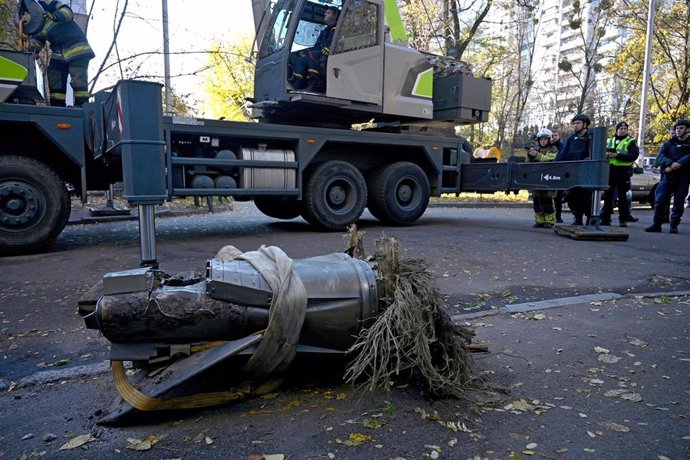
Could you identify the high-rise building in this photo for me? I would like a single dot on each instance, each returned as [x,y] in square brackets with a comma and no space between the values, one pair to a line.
[571,51]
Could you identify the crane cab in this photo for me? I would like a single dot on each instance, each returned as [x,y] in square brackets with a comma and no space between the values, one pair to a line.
[370,71]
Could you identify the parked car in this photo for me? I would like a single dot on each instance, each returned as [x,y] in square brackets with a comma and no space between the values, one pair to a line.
[643,185]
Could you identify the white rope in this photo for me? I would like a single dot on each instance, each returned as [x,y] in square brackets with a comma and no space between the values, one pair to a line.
[277,349]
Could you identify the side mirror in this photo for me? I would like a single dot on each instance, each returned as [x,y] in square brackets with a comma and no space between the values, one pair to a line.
[637,170]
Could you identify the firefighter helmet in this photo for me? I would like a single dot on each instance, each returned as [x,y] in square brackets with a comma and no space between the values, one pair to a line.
[544,132]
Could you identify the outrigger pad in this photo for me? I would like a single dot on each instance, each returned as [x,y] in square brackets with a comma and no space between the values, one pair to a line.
[591,233]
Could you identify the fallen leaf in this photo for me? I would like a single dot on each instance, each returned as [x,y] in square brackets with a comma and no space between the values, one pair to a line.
[616,392]
[274,457]
[637,342]
[600,350]
[591,435]
[609,359]
[634,397]
[355,439]
[521,405]
[77,441]
[538,316]
[373,423]
[146,444]
[531,446]
[617,427]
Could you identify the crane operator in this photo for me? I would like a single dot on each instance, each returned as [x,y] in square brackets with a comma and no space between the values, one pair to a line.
[309,70]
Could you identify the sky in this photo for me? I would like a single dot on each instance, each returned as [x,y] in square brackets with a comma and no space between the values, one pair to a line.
[192,25]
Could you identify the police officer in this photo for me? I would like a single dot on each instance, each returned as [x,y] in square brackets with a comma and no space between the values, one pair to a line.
[70,52]
[674,164]
[308,72]
[576,148]
[621,151]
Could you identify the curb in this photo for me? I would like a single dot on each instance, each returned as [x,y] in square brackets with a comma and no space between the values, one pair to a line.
[564,301]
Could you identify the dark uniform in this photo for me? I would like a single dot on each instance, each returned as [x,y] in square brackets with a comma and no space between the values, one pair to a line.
[70,53]
[310,69]
[676,182]
[620,169]
[576,148]
[558,199]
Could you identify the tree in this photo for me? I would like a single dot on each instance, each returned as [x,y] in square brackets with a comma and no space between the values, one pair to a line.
[591,21]
[8,9]
[229,81]
[444,26]
[669,97]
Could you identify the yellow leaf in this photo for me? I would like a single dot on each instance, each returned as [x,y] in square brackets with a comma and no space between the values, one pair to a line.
[274,457]
[77,441]
[355,439]
[528,452]
[146,444]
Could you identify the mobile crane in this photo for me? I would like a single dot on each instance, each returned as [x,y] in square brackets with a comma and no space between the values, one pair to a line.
[299,159]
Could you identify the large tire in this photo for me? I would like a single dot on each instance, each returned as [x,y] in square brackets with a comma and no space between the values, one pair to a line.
[34,205]
[280,208]
[399,193]
[335,196]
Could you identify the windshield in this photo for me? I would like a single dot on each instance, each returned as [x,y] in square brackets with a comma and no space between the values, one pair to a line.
[308,28]
[274,40]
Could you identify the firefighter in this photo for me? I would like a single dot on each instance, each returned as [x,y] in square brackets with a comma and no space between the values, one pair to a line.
[558,199]
[70,52]
[542,200]
[576,148]
[674,163]
[310,69]
[621,151]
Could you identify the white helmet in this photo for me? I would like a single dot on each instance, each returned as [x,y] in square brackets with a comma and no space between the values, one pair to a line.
[544,132]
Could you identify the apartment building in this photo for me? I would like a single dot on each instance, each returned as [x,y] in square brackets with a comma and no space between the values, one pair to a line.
[564,42]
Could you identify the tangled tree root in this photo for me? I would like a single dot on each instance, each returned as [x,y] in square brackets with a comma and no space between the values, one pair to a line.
[414,336]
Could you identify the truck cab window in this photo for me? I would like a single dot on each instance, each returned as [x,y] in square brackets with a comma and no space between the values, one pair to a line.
[358,28]
[276,34]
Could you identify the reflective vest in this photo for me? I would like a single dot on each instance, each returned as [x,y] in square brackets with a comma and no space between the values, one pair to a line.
[622,148]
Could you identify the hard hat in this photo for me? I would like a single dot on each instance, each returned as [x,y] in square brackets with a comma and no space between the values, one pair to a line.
[544,132]
[581,117]
[682,122]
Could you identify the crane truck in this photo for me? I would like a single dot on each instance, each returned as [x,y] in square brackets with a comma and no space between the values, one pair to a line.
[300,157]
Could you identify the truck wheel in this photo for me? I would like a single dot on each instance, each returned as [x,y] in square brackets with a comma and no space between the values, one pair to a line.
[399,194]
[34,205]
[335,196]
[280,208]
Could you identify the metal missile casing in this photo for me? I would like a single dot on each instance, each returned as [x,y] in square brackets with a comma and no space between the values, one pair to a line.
[142,306]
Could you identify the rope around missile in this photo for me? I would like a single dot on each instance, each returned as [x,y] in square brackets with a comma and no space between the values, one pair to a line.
[274,353]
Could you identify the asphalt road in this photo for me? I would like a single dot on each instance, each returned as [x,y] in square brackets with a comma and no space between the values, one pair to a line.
[569,398]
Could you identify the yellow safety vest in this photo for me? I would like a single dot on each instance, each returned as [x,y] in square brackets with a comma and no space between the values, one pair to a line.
[622,148]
